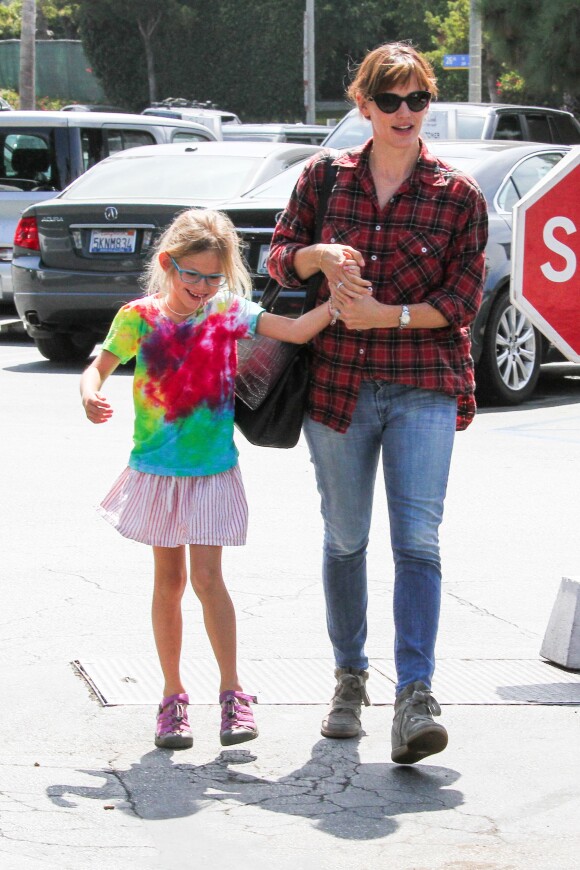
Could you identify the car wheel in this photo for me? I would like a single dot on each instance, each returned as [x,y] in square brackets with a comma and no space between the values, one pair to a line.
[509,367]
[65,348]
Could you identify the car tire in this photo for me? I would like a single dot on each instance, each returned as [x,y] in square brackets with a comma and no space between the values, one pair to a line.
[65,348]
[509,367]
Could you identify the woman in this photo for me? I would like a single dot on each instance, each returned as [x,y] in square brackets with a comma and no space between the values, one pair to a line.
[393,377]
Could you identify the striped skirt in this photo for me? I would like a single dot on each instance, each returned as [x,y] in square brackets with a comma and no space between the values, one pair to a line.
[172,511]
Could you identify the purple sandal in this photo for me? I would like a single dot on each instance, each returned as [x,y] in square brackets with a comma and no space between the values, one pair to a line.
[237,718]
[173,731]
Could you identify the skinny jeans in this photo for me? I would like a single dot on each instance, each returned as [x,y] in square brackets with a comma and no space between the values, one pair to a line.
[413,430]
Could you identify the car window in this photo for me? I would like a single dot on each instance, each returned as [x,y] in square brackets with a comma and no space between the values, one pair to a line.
[92,146]
[538,128]
[354,130]
[509,127]
[189,136]
[469,126]
[567,131]
[120,140]
[525,175]
[177,176]
[303,138]
[27,160]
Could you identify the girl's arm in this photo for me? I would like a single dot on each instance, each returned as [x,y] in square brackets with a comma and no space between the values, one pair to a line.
[94,402]
[298,330]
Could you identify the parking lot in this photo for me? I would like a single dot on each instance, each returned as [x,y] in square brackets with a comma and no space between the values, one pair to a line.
[83,785]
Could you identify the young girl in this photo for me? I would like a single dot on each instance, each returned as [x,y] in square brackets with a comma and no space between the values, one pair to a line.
[183,484]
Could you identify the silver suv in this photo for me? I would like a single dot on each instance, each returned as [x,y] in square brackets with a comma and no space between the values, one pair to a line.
[473,121]
[42,152]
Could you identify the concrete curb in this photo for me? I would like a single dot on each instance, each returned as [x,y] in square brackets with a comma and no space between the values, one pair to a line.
[12,327]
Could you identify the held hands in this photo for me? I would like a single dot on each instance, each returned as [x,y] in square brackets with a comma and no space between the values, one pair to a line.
[360,312]
[351,294]
[97,407]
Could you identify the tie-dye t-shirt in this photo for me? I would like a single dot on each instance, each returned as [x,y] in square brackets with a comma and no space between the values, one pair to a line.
[183,388]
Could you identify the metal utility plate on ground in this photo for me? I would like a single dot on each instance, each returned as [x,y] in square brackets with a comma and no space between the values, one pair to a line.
[302,681]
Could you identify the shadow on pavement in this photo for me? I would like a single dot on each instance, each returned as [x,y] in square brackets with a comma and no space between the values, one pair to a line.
[342,796]
[559,384]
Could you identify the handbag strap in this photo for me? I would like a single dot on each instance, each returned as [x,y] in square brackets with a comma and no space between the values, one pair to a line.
[314,282]
[272,288]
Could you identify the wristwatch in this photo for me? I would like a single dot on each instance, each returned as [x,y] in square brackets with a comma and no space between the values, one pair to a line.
[405,317]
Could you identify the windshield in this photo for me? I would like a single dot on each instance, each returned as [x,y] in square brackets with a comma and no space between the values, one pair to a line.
[440,123]
[353,130]
[170,177]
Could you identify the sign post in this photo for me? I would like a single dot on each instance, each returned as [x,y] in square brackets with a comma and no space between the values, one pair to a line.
[545,282]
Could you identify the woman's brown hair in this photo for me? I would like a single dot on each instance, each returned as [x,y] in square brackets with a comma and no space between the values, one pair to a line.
[388,66]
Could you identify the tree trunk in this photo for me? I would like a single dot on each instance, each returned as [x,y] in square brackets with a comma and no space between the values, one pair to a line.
[146,30]
[28,55]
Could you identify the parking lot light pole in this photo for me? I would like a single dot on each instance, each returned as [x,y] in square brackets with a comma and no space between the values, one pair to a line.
[27,72]
[474,53]
[309,66]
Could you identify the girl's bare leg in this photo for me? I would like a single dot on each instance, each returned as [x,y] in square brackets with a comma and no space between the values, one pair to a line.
[169,586]
[218,610]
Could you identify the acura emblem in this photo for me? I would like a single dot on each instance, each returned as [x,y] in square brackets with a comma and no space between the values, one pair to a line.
[111,213]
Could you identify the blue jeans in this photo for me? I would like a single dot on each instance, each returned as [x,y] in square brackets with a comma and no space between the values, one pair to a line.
[414,429]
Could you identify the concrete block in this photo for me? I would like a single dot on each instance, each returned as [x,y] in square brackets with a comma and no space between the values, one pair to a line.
[561,643]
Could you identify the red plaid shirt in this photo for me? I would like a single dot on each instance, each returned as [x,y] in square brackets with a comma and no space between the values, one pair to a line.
[426,245]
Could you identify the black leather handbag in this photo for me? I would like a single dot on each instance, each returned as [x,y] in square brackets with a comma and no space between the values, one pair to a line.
[271,390]
[272,378]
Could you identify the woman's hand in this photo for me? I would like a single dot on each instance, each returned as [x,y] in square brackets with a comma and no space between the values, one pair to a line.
[342,266]
[362,311]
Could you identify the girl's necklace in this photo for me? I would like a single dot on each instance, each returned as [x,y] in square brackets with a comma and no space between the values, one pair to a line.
[177,313]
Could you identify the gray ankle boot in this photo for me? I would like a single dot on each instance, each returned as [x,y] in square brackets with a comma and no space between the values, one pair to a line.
[415,735]
[343,717]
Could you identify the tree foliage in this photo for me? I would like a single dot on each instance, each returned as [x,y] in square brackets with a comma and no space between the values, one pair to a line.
[346,31]
[239,53]
[247,55]
[55,19]
[243,54]
[450,35]
[540,41]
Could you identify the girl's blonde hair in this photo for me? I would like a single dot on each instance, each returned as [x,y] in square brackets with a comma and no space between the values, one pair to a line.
[193,232]
[388,66]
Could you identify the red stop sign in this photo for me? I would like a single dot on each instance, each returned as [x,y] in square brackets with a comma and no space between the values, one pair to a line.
[546,256]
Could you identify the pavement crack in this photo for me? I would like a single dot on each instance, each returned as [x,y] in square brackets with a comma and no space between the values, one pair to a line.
[485,612]
[132,802]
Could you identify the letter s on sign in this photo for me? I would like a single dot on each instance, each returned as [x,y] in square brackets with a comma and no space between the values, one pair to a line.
[559,248]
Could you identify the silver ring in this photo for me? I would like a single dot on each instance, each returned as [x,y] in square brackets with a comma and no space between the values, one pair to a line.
[339,285]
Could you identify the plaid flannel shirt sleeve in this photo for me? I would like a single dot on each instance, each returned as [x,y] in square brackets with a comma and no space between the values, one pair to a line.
[459,295]
[296,225]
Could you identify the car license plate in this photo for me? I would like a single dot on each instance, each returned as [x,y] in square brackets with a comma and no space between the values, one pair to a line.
[112,241]
[263,260]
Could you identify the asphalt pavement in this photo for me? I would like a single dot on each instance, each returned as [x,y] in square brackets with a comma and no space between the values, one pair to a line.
[82,784]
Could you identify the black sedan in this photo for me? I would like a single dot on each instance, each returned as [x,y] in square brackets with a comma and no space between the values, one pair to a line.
[78,256]
[507,349]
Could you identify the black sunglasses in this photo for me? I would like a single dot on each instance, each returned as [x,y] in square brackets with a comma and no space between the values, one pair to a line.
[390,103]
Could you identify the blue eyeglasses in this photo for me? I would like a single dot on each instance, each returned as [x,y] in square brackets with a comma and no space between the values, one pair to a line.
[190,276]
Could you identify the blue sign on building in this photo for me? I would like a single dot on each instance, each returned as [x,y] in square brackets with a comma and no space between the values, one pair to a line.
[455,61]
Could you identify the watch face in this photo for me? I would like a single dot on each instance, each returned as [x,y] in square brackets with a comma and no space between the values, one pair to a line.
[405,318]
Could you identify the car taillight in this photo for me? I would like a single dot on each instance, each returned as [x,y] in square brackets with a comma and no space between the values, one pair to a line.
[26,235]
